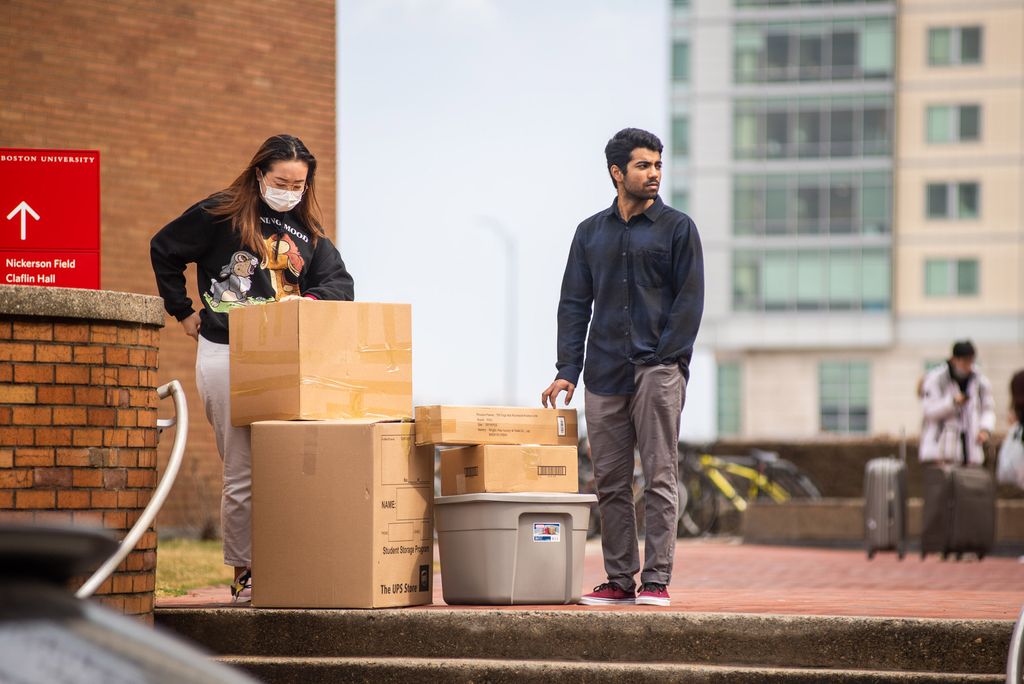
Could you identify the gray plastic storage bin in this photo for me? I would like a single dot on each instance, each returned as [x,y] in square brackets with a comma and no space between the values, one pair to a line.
[522,548]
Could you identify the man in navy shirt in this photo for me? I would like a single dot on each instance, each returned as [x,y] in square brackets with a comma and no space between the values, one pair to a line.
[635,276]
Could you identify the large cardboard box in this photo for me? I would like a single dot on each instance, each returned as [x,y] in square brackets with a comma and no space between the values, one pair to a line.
[341,515]
[318,360]
[504,468]
[472,425]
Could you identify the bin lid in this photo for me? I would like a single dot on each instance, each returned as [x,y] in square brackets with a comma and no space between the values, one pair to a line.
[518,497]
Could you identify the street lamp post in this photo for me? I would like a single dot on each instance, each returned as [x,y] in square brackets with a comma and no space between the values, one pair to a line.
[506,235]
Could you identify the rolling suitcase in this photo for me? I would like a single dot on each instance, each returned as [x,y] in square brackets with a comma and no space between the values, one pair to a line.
[959,511]
[885,506]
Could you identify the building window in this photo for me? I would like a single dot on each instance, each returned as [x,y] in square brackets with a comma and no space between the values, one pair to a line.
[681,136]
[837,127]
[951,277]
[681,61]
[947,123]
[681,200]
[813,204]
[811,279]
[729,397]
[794,3]
[844,392]
[954,45]
[831,50]
[957,201]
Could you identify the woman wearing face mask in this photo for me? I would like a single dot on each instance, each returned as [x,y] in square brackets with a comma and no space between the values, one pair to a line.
[260,240]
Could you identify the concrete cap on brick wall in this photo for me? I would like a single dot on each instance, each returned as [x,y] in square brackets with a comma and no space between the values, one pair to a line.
[66,302]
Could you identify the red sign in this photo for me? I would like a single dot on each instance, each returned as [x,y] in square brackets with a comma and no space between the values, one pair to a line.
[50,218]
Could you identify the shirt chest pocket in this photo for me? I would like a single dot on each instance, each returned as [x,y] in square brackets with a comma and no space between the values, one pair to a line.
[652,267]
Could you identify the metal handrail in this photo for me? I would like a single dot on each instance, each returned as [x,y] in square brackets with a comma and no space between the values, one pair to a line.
[1015,660]
[180,424]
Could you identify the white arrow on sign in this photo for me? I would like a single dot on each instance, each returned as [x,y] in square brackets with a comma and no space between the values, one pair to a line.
[24,209]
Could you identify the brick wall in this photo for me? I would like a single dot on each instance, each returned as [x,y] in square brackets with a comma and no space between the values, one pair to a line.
[78,435]
[177,95]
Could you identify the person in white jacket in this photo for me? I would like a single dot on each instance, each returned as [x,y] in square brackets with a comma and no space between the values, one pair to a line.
[959,412]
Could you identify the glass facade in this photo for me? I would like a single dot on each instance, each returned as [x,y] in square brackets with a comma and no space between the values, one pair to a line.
[796,266]
[729,398]
[813,279]
[812,127]
[821,50]
[836,203]
[844,396]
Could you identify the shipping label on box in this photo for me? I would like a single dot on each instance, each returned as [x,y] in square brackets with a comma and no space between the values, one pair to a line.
[403,521]
[342,515]
[509,469]
[474,425]
[320,360]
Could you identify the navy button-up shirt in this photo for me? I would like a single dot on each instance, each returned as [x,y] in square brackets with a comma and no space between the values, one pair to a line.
[644,281]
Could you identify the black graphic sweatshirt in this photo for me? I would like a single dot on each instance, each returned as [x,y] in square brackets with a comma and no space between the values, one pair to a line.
[232,275]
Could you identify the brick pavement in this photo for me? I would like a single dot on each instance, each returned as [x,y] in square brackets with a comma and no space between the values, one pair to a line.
[725,576]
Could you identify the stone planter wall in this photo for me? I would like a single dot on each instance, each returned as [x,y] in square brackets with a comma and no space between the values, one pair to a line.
[78,409]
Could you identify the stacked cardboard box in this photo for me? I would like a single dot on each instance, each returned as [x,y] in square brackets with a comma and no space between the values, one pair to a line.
[506,449]
[342,497]
[510,526]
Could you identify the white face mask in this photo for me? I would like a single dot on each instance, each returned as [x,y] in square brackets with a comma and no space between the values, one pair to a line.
[281,200]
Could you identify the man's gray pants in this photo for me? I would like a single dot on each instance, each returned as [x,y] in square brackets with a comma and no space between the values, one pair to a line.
[648,420]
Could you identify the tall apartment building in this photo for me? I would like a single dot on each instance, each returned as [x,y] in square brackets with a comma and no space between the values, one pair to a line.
[855,169]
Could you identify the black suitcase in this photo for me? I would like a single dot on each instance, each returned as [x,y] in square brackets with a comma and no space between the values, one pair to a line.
[885,506]
[959,511]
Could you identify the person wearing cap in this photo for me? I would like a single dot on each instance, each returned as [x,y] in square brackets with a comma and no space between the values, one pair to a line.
[959,412]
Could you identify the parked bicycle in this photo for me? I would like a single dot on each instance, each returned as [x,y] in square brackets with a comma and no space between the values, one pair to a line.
[714,482]
[708,484]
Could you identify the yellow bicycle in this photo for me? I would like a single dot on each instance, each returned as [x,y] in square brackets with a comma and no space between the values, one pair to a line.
[712,481]
[706,483]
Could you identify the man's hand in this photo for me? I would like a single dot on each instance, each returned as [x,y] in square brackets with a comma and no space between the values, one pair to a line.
[549,397]
[983,436]
[191,325]
[959,398]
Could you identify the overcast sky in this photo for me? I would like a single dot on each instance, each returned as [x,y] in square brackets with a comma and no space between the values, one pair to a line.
[463,121]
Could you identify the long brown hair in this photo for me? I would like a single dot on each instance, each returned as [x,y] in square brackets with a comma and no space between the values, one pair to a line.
[241,200]
[1017,395]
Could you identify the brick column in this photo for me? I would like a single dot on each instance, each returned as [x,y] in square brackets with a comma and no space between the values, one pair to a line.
[78,409]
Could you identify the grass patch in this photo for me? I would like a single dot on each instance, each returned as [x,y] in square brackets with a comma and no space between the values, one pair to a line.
[184,564]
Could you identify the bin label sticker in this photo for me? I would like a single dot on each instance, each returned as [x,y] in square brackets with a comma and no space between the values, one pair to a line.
[561,426]
[547,532]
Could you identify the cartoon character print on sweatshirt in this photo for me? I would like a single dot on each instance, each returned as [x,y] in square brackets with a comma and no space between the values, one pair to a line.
[233,290]
[285,263]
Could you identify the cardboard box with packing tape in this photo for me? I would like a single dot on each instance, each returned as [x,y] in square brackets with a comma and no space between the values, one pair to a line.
[504,468]
[319,360]
[341,515]
[473,425]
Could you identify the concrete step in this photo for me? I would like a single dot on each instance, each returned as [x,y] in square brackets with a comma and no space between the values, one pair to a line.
[977,647]
[439,671]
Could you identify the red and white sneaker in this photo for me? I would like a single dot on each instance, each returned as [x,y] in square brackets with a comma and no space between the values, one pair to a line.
[608,594]
[653,594]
